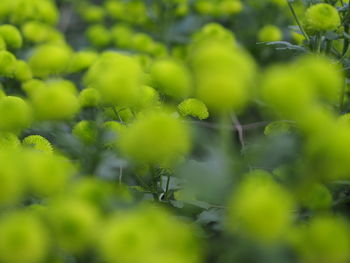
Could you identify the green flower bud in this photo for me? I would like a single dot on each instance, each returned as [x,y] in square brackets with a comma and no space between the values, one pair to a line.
[156,237]
[9,140]
[229,7]
[171,78]
[15,114]
[50,59]
[117,77]
[89,97]
[317,197]
[98,35]
[205,7]
[47,174]
[37,10]
[269,33]
[149,98]
[56,102]
[315,242]
[142,42]
[224,76]
[31,85]
[11,35]
[8,63]
[122,36]
[23,239]
[321,17]
[22,72]
[257,197]
[82,60]
[85,131]
[156,138]
[194,108]
[92,13]
[75,224]
[39,143]
[38,32]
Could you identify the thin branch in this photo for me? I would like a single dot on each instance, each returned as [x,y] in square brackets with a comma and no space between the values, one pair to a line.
[239,129]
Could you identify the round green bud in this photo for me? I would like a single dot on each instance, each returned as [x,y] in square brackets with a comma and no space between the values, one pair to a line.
[23,239]
[156,237]
[92,13]
[224,76]
[50,59]
[156,138]
[82,60]
[122,35]
[142,42]
[171,78]
[315,242]
[38,32]
[205,7]
[9,140]
[37,10]
[98,35]
[317,197]
[269,33]
[194,108]
[31,85]
[229,7]
[75,224]
[11,35]
[39,143]
[85,131]
[117,77]
[324,76]
[8,63]
[47,174]
[321,17]
[56,102]
[15,114]
[149,98]
[89,97]
[247,211]
[22,72]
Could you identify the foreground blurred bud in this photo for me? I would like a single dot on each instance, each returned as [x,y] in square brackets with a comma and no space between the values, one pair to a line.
[55,101]
[50,59]
[171,78]
[260,208]
[156,138]
[324,239]
[75,224]
[149,235]
[47,174]
[23,239]
[223,76]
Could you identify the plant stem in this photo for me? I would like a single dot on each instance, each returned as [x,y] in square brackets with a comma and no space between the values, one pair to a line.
[167,187]
[297,20]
